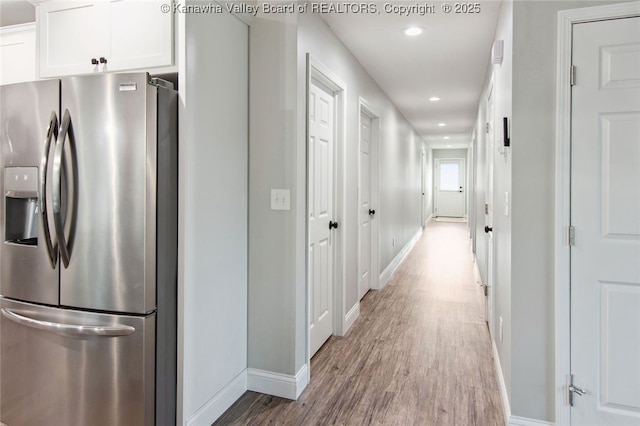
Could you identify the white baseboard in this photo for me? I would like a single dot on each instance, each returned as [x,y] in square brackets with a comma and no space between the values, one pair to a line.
[351,317]
[220,402]
[523,421]
[278,384]
[388,272]
[429,219]
[506,408]
[509,419]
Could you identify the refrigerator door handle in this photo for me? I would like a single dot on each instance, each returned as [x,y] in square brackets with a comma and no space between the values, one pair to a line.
[70,329]
[52,246]
[57,190]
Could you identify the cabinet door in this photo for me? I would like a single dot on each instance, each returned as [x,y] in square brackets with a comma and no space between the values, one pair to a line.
[71,34]
[141,35]
[17,54]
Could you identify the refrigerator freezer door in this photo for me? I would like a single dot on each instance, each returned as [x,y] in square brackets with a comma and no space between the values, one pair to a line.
[110,152]
[75,368]
[26,111]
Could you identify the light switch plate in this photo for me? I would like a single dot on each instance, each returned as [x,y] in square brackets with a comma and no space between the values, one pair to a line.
[506,203]
[280,199]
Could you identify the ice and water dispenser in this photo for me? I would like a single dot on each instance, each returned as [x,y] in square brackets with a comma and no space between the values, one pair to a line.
[21,205]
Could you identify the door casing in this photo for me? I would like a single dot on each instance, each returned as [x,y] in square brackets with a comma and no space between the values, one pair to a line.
[365,108]
[562,284]
[436,180]
[321,75]
[490,297]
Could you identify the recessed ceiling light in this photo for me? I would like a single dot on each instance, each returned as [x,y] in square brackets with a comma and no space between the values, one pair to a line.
[413,31]
[442,124]
[446,137]
[448,146]
[434,99]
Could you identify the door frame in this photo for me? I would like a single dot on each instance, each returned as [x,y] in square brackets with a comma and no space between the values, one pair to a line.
[325,78]
[562,278]
[365,108]
[471,211]
[423,188]
[489,149]
[436,180]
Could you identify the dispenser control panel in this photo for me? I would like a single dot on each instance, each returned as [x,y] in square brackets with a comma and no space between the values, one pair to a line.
[20,179]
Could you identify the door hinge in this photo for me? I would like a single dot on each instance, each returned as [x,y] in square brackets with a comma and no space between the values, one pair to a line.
[486,125]
[486,290]
[572,236]
[573,390]
[572,75]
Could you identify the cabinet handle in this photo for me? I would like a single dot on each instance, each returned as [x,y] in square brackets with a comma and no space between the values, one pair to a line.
[103,60]
[94,61]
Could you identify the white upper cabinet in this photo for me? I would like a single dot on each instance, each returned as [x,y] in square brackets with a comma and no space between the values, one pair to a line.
[77,37]
[17,53]
[141,34]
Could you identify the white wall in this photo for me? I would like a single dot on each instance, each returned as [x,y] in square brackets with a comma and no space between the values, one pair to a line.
[428,181]
[277,295]
[212,215]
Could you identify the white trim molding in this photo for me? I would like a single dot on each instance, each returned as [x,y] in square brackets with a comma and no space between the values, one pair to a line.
[429,219]
[523,421]
[506,408]
[352,316]
[18,28]
[391,269]
[278,384]
[374,154]
[220,402]
[566,20]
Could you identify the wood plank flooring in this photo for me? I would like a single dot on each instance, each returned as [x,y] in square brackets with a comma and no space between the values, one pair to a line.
[419,354]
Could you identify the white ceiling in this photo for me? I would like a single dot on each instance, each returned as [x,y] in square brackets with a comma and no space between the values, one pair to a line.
[14,12]
[448,60]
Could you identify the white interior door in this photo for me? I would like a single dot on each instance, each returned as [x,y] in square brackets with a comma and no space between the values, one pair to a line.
[321,253]
[366,212]
[450,187]
[488,213]
[423,184]
[605,213]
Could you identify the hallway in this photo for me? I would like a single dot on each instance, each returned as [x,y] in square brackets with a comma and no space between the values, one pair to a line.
[419,354]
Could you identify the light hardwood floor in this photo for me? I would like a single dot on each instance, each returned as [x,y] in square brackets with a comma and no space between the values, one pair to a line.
[419,354]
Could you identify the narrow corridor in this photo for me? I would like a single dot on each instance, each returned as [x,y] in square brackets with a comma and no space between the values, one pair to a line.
[419,354]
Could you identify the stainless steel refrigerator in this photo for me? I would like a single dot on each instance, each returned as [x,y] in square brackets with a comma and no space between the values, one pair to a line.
[88,251]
